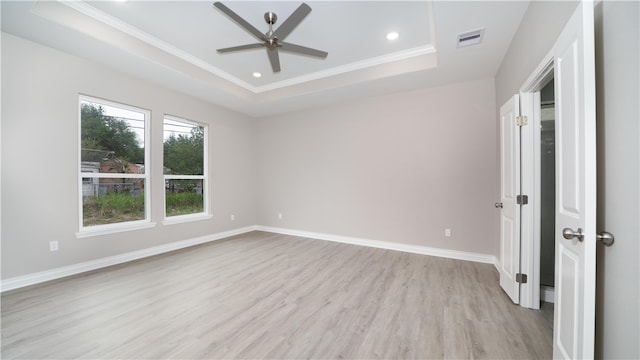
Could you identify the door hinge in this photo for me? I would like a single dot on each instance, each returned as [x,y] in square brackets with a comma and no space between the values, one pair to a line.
[521,278]
[522,199]
[521,120]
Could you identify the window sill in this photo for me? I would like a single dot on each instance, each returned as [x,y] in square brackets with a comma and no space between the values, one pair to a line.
[178,219]
[99,230]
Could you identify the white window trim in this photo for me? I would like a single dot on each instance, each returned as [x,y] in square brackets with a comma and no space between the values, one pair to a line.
[179,219]
[96,230]
[205,214]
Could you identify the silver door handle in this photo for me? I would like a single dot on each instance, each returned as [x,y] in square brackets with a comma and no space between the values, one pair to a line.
[606,238]
[569,234]
[498,205]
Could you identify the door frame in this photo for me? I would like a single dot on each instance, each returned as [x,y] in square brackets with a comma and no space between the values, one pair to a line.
[530,180]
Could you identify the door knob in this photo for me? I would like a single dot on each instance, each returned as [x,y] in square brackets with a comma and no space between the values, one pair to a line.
[569,234]
[606,238]
[498,205]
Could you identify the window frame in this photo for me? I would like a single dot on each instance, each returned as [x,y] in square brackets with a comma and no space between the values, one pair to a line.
[94,230]
[206,213]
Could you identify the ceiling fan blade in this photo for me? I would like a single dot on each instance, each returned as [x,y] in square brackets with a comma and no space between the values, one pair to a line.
[302,50]
[241,47]
[240,21]
[274,59]
[292,21]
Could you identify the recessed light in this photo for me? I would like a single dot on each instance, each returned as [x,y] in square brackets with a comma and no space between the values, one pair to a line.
[257,74]
[392,35]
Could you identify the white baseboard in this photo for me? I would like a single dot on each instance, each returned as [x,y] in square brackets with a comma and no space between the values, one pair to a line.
[423,250]
[547,293]
[57,273]
[497,265]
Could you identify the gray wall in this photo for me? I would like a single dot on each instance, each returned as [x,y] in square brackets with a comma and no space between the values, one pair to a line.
[398,168]
[618,92]
[40,89]
[617,64]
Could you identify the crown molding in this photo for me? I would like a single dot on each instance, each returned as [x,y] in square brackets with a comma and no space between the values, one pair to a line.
[96,14]
[358,65]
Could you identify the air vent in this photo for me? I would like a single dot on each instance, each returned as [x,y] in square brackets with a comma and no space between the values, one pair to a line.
[469,38]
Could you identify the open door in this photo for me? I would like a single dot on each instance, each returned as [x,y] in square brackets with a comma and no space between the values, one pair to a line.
[509,190]
[574,73]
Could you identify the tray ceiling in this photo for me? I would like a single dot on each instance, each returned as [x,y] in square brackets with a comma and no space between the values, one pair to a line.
[173,43]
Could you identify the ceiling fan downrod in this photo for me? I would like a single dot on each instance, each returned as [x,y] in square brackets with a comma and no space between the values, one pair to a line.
[270,17]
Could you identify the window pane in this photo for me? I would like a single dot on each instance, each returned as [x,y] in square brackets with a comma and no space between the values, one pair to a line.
[112,139]
[183,148]
[109,200]
[184,196]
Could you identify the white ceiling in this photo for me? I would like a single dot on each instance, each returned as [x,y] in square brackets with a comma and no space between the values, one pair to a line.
[173,43]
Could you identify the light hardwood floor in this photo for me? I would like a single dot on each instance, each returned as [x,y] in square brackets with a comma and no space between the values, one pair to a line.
[263,295]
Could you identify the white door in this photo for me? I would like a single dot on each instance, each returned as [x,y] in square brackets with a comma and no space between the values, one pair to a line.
[574,73]
[509,189]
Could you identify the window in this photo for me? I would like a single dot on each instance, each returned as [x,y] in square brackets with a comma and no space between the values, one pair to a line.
[113,153]
[185,167]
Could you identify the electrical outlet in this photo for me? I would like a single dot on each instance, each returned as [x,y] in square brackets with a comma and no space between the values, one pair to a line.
[53,245]
[233,217]
[447,232]
[279,216]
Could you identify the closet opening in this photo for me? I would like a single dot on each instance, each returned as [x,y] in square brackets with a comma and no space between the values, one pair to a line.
[547,191]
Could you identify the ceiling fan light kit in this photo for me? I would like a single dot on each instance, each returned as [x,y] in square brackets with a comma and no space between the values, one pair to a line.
[272,40]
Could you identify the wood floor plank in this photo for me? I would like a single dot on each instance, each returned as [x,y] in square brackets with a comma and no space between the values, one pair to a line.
[262,295]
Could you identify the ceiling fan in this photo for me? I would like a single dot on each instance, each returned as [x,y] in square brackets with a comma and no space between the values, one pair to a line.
[273,40]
